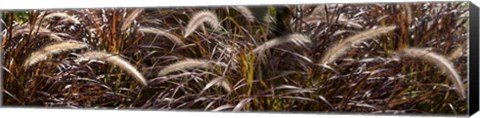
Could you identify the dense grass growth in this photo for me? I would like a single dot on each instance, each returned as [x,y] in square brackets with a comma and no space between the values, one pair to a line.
[368,58]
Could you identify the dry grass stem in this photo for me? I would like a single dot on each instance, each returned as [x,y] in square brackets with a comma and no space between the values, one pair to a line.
[408,13]
[219,81]
[241,104]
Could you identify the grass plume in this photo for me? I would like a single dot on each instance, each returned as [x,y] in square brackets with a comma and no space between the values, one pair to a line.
[57,47]
[199,18]
[117,61]
[441,62]
[162,33]
[340,48]
[25,30]
[245,12]
[63,16]
[185,64]
[296,38]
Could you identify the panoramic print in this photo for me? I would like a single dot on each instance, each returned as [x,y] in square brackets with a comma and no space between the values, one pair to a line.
[375,58]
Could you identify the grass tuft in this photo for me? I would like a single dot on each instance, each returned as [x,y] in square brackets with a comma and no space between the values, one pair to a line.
[312,62]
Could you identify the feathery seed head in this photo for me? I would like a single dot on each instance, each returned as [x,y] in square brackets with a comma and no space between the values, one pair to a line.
[64,16]
[297,39]
[341,47]
[439,61]
[26,29]
[245,12]
[57,47]
[163,33]
[199,18]
[117,61]
[185,64]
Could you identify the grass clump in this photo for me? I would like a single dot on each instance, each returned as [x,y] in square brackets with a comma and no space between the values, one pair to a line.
[314,58]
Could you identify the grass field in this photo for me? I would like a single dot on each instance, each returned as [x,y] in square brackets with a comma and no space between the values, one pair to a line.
[361,58]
